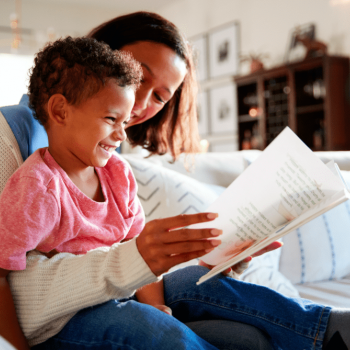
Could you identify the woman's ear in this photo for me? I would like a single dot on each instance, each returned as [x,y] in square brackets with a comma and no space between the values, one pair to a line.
[57,109]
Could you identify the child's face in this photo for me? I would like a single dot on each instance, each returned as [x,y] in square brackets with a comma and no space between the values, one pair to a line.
[95,128]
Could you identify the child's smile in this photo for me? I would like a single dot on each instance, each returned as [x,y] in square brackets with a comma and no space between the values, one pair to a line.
[92,130]
[109,149]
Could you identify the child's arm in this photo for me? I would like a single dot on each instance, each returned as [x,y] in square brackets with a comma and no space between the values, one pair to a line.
[9,326]
[153,294]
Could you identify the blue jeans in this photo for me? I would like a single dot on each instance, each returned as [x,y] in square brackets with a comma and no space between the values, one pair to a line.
[291,323]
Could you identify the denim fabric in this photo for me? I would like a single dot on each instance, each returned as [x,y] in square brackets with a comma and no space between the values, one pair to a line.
[126,325]
[291,323]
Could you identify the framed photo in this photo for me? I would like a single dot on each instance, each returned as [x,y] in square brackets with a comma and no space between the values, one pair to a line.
[203,113]
[223,109]
[296,50]
[200,52]
[223,50]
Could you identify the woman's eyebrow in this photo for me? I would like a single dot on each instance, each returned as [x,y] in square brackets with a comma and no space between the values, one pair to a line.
[153,76]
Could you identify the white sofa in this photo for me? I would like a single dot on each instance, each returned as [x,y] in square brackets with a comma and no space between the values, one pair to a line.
[315,259]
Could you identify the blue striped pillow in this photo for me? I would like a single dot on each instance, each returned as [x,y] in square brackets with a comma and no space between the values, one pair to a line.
[319,250]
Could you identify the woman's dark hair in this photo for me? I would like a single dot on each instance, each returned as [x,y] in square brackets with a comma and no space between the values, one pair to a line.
[77,68]
[174,128]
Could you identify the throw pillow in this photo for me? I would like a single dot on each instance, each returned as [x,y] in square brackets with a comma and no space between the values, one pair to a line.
[319,250]
[164,192]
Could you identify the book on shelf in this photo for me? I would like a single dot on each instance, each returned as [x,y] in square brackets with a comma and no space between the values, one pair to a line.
[286,187]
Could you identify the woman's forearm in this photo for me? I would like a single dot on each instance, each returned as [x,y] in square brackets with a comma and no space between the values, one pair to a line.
[68,283]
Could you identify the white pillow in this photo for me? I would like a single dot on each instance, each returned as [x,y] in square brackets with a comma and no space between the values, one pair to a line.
[263,270]
[319,250]
[164,192]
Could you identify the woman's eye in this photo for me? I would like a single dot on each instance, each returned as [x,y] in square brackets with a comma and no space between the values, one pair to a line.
[159,98]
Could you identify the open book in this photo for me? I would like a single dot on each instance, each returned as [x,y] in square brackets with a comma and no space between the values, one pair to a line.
[286,187]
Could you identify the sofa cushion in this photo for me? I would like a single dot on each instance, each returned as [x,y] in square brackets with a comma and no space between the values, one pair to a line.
[211,168]
[319,250]
[342,158]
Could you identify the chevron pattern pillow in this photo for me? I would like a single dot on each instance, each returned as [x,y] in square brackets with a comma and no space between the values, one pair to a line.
[164,192]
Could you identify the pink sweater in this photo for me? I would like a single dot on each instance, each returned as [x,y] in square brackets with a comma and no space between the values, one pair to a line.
[41,208]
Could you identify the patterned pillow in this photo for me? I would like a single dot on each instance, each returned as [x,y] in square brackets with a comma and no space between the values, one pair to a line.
[319,250]
[164,192]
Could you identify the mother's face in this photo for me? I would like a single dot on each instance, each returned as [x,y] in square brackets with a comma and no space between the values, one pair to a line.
[163,72]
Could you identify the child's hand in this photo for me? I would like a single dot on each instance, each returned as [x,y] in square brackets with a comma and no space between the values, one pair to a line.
[164,243]
[164,308]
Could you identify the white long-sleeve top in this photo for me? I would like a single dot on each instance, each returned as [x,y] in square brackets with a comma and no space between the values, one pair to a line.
[49,292]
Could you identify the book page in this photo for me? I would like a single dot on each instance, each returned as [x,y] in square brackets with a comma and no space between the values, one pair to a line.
[319,209]
[286,181]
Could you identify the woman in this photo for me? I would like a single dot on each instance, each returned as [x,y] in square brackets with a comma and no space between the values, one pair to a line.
[163,119]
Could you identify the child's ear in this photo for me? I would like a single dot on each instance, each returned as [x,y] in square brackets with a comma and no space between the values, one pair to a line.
[57,109]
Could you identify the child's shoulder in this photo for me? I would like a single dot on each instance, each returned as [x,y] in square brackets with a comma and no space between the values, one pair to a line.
[118,163]
[34,167]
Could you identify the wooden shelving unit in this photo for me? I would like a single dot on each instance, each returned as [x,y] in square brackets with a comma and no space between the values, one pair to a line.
[311,97]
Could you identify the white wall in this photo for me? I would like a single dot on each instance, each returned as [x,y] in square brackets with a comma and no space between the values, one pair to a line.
[265,25]
[39,15]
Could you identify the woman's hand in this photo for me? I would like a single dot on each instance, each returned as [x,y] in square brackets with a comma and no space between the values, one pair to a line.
[241,266]
[164,243]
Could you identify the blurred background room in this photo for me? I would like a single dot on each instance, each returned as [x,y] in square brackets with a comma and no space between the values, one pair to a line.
[262,64]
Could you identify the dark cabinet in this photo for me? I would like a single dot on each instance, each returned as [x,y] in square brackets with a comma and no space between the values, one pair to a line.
[311,97]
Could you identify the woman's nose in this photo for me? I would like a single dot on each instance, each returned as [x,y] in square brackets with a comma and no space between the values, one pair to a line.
[142,97]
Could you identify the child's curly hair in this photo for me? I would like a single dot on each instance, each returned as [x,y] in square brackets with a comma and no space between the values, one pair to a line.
[77,68]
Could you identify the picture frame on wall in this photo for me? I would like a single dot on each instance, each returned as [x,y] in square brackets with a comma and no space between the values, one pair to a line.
[203,113]
[223,44]
[200,53]
[223,109]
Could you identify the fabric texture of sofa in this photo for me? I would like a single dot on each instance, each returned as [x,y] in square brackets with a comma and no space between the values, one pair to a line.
[314,262]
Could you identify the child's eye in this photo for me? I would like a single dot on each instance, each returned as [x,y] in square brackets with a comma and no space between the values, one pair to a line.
[125,122]
[111,118]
